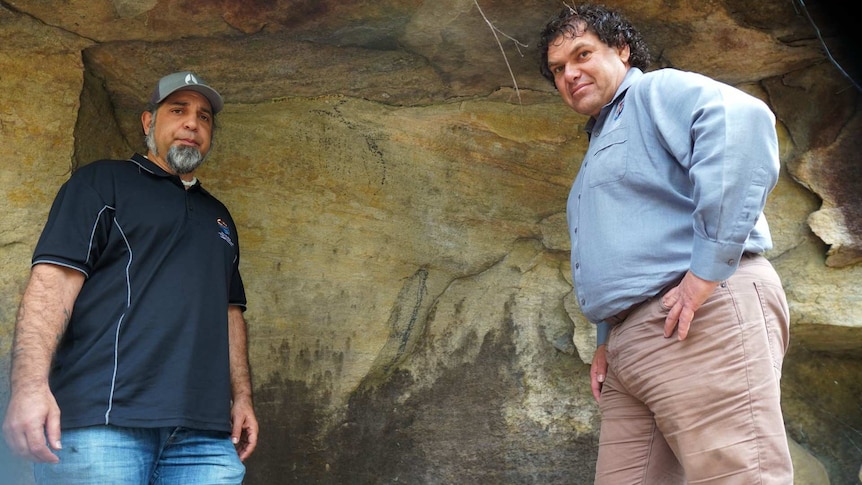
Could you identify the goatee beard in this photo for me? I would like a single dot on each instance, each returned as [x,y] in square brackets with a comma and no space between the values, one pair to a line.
[184,159]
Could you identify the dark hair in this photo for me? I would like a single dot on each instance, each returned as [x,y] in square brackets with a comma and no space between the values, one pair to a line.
[610,27]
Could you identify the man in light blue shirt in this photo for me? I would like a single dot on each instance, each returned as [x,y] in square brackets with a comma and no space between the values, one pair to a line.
[667,227]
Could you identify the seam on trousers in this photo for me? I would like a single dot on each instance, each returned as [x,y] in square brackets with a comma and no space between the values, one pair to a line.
[740,326]
[649,452]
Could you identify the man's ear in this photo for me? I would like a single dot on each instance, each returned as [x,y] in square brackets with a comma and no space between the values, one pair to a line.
[146,119]
[625,53]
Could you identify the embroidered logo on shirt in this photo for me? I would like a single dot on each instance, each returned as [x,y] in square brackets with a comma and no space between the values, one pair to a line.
[619,110]
[224,231]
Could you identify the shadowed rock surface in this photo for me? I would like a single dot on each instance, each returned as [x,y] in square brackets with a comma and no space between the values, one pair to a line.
[400,198]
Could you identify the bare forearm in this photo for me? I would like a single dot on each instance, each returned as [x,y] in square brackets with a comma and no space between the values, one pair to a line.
[243,421]
[43,316]
[240,375]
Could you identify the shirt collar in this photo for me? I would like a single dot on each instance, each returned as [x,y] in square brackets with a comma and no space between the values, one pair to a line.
[150,166]
[632,75]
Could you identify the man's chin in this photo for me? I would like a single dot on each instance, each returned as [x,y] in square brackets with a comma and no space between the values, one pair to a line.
[582,107]
[184,159]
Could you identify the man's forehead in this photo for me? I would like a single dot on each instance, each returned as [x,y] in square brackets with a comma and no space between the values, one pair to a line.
[569,41]
[186,97]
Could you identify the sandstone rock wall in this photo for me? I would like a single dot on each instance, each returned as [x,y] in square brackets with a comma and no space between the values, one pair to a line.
[400,199]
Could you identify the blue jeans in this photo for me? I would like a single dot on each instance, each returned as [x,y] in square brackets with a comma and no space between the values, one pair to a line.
[143,456]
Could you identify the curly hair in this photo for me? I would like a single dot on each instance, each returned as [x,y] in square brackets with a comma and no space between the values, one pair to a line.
[610,27]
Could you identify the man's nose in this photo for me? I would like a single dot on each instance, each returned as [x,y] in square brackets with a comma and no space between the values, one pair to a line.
[191,122]
[572,72]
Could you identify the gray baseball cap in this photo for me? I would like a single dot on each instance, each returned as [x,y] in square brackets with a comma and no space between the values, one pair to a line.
[186,80]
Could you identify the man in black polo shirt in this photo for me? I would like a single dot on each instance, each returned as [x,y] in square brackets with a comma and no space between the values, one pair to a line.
[148,377]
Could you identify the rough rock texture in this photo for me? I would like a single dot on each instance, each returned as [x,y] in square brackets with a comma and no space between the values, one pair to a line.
[400,198]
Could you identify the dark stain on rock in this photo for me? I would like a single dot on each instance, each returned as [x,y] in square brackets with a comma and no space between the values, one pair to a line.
[291,414]
[455,431]
[405,315]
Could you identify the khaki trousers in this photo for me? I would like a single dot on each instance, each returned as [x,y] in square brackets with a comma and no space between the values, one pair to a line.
[705,410]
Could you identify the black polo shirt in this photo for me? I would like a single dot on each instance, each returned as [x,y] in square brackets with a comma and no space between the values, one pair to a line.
[147,344]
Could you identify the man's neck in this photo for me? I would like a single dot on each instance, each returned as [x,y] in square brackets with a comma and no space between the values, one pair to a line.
[188,179]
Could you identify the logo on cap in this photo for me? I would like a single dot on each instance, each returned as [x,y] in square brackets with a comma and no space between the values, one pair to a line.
[186,80]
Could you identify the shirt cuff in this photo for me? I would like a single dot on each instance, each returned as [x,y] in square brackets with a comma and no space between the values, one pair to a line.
[714,261]
[603,330]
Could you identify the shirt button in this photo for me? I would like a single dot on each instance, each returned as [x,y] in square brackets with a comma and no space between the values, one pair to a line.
[583,301]
[577,265]
[731,262]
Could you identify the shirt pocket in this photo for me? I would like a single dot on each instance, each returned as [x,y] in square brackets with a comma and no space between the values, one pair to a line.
[609,161]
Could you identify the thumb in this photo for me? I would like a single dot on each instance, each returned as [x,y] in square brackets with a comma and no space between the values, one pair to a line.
[52,429]
[236,432]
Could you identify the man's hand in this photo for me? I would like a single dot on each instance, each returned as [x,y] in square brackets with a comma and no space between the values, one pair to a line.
[598,371]
[32,414]
[683,301]
[245,428]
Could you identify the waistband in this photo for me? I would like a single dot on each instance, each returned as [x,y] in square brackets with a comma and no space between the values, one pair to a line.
[621,316]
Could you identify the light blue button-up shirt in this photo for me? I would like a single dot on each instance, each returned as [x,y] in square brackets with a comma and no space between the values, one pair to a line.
[675,179]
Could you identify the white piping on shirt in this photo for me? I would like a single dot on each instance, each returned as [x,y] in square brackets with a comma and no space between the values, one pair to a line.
[119,325]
